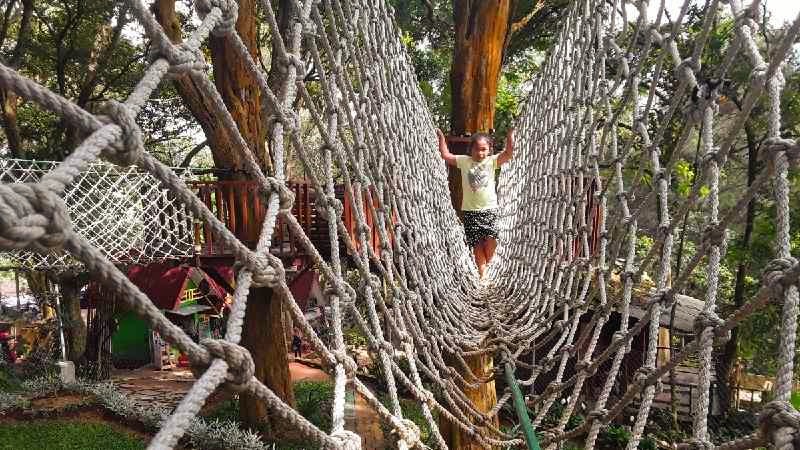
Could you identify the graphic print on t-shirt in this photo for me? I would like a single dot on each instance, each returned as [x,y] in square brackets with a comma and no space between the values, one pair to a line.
[478,176]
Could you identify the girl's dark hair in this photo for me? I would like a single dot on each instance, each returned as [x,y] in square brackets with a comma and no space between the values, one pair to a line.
[477,137]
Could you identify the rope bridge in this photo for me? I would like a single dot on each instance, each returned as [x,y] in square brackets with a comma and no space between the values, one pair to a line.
[544,303]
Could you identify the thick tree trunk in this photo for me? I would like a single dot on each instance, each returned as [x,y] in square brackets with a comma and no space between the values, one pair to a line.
[263,335]
[484,398]
[10,125]
[263,327]
[239,90]
[225,151]
[481,28]
[481,31]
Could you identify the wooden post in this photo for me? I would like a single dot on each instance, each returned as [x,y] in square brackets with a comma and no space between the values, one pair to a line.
[484,398]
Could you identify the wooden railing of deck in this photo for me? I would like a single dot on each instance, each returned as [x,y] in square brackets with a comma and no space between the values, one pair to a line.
[240,206]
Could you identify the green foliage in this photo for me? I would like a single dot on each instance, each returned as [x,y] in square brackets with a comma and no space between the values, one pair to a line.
[9,382]
[795,400]
[227,410]
[732,426]
[355,337]
[314,402]
[65,435]
[613,437]
[412,411]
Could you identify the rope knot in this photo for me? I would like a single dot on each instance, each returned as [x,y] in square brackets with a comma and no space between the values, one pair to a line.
[349,364]
[229,10]
[285,195]
[325,201]
[686,69]
[773,146]
[775,274]
[132,141]
[267,272]
[597,414]
[408,433]
[240,364]
[185,59]
[779,423]
[642,374]
[665,297]
[32,216]
[706,320]
[347,440]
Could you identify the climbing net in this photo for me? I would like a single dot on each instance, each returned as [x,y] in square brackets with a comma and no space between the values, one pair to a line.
[586,121]
[121,211]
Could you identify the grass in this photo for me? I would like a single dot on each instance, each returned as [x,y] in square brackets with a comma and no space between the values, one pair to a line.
[64,435]
[795,400]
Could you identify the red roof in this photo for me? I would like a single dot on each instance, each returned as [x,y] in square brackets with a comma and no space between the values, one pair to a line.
[163,285]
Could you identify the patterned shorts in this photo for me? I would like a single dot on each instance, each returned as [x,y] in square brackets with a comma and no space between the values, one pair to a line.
[479,225]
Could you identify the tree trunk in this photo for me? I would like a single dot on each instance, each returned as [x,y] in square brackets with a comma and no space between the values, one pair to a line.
[74,328]
[239,90]
[484,398]
[225,151]
[481,28]
[264,337]
[8,99]
[98,341]
[727,363]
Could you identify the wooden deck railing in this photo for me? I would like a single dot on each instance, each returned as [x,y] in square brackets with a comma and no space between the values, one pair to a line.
[241,208]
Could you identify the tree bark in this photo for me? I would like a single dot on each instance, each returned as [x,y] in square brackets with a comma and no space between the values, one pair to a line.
[225,151]
[240,90]
[481,28]
[74,327]
[8,99]
[263,335]
[484,398]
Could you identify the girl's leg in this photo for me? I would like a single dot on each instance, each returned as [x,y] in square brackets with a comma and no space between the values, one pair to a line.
[480,257]
[489,245]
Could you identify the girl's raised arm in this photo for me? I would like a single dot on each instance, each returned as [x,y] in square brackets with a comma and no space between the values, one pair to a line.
[508,153]
[448,157]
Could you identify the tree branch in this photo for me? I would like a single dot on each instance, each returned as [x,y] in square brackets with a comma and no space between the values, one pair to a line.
[431,15]
[192,153]
[521,23]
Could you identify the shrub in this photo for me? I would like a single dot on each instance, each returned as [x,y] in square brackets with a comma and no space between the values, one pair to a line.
[614,437]
[315,402]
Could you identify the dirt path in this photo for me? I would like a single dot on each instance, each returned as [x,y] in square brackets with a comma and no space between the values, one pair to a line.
[166,388]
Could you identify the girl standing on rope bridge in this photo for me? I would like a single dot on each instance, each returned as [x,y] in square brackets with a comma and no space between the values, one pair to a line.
[479,200]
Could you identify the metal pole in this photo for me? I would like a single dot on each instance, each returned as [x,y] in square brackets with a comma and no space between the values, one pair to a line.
[60,323]
[522,410]
[16,283]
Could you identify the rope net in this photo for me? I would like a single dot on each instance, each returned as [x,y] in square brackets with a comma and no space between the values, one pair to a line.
[548,297]
[121,211]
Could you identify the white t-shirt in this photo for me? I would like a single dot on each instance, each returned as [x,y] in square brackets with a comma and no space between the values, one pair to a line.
[477,182]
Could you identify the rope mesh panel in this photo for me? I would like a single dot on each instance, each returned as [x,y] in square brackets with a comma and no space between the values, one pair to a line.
[550,293]
[121,211]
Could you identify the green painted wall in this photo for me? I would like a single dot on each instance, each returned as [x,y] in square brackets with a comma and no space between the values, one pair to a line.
[130,343]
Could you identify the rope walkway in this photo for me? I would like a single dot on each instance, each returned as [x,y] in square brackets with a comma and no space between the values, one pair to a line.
[586,120]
